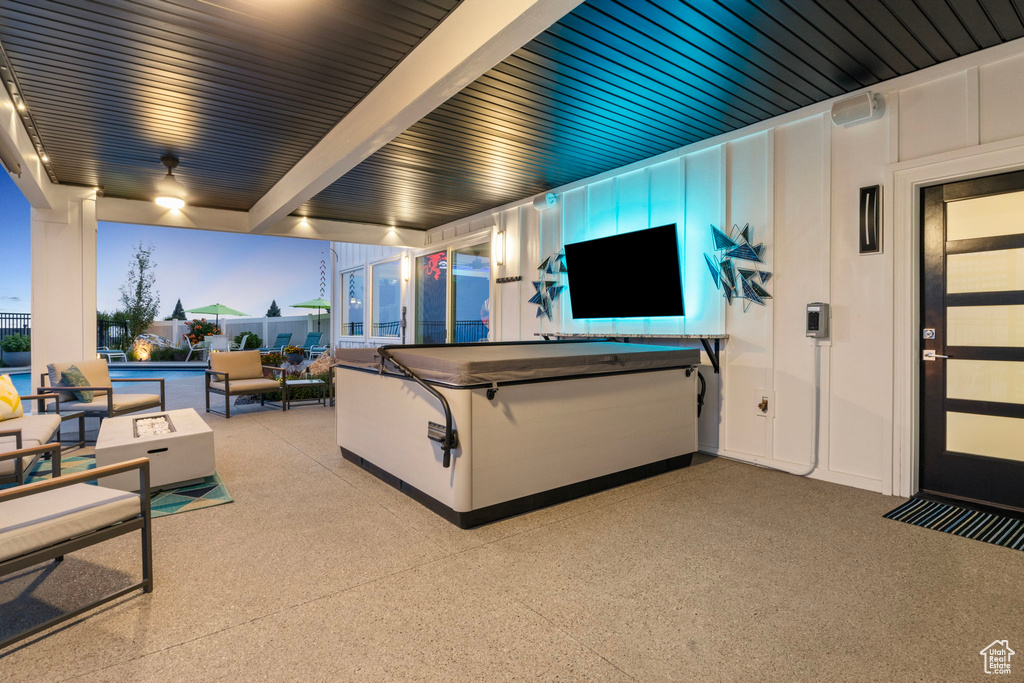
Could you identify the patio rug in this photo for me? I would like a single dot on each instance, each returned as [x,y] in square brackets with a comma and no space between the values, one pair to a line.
[207,493]
[987,527]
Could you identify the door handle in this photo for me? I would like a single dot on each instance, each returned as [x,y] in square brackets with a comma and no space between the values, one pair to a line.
[931,355]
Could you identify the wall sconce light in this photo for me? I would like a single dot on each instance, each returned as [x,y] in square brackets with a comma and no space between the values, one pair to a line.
[499,248]
[406,267]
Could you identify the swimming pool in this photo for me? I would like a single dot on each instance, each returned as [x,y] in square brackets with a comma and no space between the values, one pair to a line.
[23,380]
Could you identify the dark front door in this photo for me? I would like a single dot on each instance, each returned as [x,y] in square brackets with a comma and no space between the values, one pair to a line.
[972,341]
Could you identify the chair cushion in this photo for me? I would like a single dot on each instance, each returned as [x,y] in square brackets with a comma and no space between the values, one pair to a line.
[10,404]
[35,430]
[7,468]
[95,370]
[122,402]
[43,519]
[237,364]
[73,377]
[244,386]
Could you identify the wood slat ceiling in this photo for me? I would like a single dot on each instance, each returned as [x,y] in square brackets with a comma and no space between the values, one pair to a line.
[617,81]
[239,89]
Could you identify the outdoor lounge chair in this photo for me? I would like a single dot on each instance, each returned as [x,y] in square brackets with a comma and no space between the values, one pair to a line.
[317,351]
[47,519]
[111,354]
[203,347]
[30,435]
[283,340]
[106,402]
[238,373]
[312,339]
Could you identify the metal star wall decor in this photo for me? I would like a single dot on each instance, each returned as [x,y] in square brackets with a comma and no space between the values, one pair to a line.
[548,289]
[744,282]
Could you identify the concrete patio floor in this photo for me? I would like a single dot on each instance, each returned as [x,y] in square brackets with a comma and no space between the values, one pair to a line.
[318,571]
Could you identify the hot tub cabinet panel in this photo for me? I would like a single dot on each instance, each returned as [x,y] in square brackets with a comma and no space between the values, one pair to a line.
[533,443]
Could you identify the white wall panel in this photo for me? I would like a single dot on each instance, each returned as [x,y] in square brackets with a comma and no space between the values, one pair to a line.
[1001,98]
[749,376]
[862,309]
[933,118]
[800,265]
[667,199]
[633,213]
[704,206]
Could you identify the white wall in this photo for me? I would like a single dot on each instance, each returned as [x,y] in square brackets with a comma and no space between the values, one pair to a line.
[796,180]
[348,256]
[64,278]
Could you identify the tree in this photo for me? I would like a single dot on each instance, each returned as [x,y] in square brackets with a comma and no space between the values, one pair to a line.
[138,300]
[179,311]
[274,311]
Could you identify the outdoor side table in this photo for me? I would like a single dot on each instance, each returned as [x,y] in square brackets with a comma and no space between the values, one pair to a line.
[177,457]
[318,384]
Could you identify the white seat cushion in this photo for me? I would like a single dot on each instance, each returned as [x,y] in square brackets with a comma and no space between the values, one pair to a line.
[35,430]
[43,519]
[121,402]
[242,385]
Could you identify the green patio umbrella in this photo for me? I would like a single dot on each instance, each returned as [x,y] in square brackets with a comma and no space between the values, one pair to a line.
[317,304]
[217,310]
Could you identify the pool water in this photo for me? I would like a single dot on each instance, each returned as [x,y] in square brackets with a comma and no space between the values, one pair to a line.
[23,380]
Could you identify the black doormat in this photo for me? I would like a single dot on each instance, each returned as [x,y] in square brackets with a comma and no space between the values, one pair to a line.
[988,527]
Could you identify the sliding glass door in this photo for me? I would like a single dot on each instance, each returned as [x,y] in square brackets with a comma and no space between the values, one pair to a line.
[453,295]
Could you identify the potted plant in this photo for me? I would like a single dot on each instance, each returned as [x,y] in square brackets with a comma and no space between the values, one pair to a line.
[17,350]
[295,354]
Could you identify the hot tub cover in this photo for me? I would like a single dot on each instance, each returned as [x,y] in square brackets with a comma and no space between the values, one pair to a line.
[487,363]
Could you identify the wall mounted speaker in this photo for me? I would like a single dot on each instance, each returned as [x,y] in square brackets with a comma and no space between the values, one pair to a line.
[545,201]
[856,109]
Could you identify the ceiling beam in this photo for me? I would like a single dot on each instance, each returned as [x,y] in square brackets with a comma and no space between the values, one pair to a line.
[477,35]
[33,180]
[139,212]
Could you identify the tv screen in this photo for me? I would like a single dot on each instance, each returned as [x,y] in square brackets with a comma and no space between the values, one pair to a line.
[635,275]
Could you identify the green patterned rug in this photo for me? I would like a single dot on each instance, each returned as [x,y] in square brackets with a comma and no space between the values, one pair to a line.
[207,493]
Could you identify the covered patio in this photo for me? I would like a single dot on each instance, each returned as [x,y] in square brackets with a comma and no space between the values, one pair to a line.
[721,228]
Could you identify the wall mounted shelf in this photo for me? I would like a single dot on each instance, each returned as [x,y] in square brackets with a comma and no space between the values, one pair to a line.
[710,342]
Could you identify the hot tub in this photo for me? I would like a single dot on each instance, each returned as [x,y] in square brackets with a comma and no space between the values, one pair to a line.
[479,432]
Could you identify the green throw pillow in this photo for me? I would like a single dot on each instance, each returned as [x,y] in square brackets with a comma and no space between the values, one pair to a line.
[73,377]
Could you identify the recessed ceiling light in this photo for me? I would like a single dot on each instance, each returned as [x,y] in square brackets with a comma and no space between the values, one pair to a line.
[44,157]
[21,106]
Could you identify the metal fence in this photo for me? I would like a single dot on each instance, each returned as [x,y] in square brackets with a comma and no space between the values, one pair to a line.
[15,323]
[466,331]
[113,334]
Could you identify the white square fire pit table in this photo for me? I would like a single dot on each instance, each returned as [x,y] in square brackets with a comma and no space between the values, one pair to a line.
[178,443]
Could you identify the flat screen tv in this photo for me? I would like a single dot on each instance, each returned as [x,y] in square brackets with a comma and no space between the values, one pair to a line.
[634,275]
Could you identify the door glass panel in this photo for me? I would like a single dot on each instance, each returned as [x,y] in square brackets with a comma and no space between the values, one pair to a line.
[471,289]
[1001,381]
[387,299]
[431,297]
[995,437]
[985,325]
[352,296]
[985,271]
[1000,214]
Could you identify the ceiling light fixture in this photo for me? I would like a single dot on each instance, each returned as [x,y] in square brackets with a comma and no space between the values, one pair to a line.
[21,106]
[170,193]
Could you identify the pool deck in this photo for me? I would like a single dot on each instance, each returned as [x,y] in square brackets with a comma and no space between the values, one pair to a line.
[130,365]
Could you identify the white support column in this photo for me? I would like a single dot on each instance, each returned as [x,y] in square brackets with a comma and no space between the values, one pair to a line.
[64,279]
